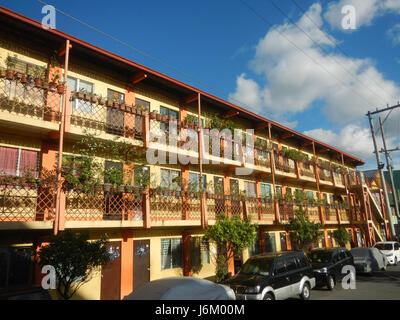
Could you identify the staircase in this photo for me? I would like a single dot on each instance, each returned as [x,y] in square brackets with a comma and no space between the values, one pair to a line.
[372,211]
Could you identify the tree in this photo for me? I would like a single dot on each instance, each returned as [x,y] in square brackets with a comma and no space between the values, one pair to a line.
[232,236]
[341,236]
[74,259]
[302,231]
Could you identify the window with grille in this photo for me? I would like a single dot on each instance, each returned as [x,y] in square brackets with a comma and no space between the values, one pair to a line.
[82,86]
[265,190]
[170,179]
[171,253]
[167,112]
[194,182]
[250,188]
[199,251]
[270,245]
[19,162]
[115,118]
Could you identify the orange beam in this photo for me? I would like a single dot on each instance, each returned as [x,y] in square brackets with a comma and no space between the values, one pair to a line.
[261,125]
[190,98]
[62,49]
[307,143]
[140,76]
[231,114]
[324,150]
[286,136]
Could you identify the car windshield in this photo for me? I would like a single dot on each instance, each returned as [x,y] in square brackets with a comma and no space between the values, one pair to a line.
[384,246]
[260,267]
[320,256]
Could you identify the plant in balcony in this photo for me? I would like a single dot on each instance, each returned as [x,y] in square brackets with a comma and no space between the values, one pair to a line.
[140,110]
[159,117]
[153,115]
[341,236]
[101,100]
[60,87]
[288,197]
[343,170]
[10,63]
[38,73]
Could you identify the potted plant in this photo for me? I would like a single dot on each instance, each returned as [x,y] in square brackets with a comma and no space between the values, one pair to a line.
[38,76]
[24,78]
[101,100]
[153,115]
[10,63]
[53,83]
[60,87]
[158,117]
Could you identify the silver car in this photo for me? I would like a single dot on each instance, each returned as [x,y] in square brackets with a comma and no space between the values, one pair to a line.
[367,260]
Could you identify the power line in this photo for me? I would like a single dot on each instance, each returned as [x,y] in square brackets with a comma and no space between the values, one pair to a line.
[300,49]
[354,76]
[334,43]
[152,58]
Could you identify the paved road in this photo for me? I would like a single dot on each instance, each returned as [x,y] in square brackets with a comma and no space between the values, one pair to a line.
[383,285]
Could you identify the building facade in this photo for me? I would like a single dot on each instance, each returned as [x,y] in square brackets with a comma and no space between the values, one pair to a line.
[158,193]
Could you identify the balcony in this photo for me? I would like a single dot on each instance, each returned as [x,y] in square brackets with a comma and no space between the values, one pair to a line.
[284,165]
[92,112]
[330,214]
[325,176]
[28,104]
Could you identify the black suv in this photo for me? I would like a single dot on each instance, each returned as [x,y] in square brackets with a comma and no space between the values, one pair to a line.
[328,263]
[274,276]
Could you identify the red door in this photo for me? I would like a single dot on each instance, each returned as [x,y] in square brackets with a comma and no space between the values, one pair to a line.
[111,274]
[141,263]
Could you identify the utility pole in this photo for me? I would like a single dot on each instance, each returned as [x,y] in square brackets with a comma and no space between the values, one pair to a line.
[380,169]
[389,166]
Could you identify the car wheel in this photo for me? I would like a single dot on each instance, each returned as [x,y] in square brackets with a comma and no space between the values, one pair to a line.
[331,283]
[305,292]
[269,296]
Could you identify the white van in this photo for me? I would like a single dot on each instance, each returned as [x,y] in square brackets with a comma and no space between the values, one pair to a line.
[391,249]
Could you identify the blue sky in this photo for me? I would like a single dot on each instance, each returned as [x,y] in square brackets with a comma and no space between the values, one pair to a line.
[229,48]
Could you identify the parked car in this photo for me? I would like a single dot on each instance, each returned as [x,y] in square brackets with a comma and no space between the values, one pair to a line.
[391,249]
[368,260]
[182,288]
[274,277]
[328,264]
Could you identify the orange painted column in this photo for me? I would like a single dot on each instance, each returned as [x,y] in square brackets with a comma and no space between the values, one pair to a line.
[261,237]
[258,194]
[129,118]
[52,97]
[185,199]
[327,245]
[37,268]
[186,253]
[227,191]
[127,256]
[45,206]
[231,261]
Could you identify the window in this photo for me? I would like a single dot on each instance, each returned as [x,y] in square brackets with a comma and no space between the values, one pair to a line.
[194,179]
[171,253]
[291,264]
[282,236]
[218,185]
[141,176]
[280,267]
[170,179]
[16,162]
[302,262]
[138,119]
[234,186]
[309,195]
[167,112]
[200,251]
[250,188]
[265,190]
[115,118]
[270,245]
[255,249]
[114,173]
[80,85]
[396,246]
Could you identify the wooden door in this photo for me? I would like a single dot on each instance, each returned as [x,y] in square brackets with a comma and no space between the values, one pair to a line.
[111,274]
[141,263]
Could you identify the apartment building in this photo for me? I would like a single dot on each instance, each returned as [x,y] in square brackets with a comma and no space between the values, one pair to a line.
[154,212]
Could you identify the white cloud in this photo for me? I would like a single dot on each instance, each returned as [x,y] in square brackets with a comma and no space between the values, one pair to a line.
[293,81]
[366,11]
[354,139]
[394,34]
